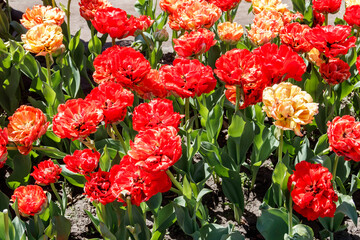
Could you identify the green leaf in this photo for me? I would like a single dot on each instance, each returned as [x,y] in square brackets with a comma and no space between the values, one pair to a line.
[95,45]
[63,227]
[211,155]
[214,121]
[300,232]
[154,202]
[29,66]
[164,219]
[280,178]
[347,207]
[4,201]
[232,188]
[21,173]
[52,152]
[105,161]
[77,49]
[322,144]
[73,178]
[187,188]
[273,223]
[187,224]
[214,231]
[49,94]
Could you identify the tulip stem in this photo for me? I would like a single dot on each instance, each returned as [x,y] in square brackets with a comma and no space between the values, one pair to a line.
[187,128]
[228,14]
[237,102]
[175,191]
[174,181]
[58,198]
[53,3]
[326,18]
[335,168]
[6,224]
[121,139]
[48,65]
[281,145]
[68,19]
[129,208]
[113,41]
[290,219]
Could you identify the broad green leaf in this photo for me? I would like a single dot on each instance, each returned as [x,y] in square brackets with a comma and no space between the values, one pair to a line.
[301,232]
[347,207]
[75,179]
[21,173]
[105,161]
[273,223]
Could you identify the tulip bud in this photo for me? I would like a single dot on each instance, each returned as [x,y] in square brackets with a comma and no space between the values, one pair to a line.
[161,35]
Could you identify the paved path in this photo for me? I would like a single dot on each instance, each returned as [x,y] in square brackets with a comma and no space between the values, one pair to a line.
[77,22]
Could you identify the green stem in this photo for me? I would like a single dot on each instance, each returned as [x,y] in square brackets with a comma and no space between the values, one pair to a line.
[53,3]
[228,15]
[187,118]
[237,98]
[118,134]
[174,181]
[175,191]
[58,197]
[290,218]
[34,148]
[8,10]
[68,19]
[88,143]
[326,19]
[335,167]
[129,208]
[48,65]
[332,226]
[113,41]
[6,224]
[324,152]
[281,145]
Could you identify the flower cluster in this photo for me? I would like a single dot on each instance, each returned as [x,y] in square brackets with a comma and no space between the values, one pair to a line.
[253,71]
[89,7]
[44,35]
[293,36]
[31,200]
[270,17]
[194,43]
[266,26]
[225,5]
[82,161]
[116,23]
[46,173]
[25,126]
[42,14]
[141,173]
[187,78]
[344,137]
[289,106]
[230,33]
[312,191]
[190,15]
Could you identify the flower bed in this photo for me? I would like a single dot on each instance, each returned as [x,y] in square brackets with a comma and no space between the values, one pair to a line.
[250,132]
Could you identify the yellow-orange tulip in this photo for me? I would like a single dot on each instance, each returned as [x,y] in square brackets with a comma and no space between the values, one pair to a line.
[42,14]
[43,39]
[230,32]
[266,27]
[289,106]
